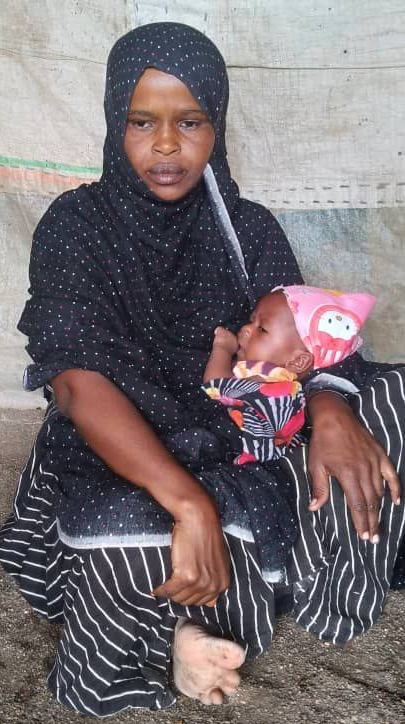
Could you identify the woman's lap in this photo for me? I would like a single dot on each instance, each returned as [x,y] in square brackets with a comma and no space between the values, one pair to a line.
[115,647]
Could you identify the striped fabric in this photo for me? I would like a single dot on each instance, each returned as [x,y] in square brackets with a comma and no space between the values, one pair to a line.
[114,652]
[268,413]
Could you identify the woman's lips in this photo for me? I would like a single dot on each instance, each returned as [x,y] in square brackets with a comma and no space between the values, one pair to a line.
[166,174]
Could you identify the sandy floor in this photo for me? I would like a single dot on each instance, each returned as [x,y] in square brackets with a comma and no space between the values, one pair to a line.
[299,681]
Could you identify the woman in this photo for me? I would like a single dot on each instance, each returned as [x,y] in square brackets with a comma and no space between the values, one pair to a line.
[116,531]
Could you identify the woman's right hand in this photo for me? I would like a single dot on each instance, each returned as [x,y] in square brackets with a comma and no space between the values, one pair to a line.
[200,558]
[120,435]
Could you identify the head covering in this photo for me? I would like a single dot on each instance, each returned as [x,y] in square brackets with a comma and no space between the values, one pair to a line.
[172,48]
[193,58]
[328,321]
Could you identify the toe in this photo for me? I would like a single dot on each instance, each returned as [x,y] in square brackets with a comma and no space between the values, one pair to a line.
[232,655]
[216,696]
[205,699]
[229,689]
[229,682]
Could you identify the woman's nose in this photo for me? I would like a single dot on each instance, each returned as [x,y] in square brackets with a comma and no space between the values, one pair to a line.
[166,140]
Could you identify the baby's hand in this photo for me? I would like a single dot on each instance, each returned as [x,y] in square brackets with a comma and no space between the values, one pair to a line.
[226,340]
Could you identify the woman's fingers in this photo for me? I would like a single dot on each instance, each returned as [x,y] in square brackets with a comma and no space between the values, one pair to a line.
[343,448]
[372,486]
[196,599]
[365,511]
[180,585]
[388,472]
[320,488]
[176,590]
[363,496]
[211,603]
[383,470]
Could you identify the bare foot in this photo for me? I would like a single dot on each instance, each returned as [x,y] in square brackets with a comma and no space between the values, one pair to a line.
[204,666]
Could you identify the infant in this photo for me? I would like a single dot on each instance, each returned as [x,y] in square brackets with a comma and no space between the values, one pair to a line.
[257,373]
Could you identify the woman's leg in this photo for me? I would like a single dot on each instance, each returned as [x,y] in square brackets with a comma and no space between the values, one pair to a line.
[116,646]
[345,592]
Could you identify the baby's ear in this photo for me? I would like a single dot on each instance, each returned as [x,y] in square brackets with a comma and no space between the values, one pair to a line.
[301,362]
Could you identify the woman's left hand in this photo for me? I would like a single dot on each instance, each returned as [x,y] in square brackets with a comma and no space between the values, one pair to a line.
[342,447]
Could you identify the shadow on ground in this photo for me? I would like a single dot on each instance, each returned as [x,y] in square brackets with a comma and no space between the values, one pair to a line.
[300,681]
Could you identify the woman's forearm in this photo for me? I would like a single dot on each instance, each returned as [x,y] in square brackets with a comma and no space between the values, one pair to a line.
[119,434]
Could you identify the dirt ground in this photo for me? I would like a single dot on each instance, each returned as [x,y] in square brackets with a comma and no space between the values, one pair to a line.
[299,681]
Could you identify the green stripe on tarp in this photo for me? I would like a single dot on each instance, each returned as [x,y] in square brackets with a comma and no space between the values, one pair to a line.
[64,167]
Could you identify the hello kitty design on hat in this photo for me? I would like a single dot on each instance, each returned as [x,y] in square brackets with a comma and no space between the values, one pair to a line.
[328,321]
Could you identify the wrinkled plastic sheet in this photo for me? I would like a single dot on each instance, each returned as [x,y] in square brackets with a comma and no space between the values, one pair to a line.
[315,131]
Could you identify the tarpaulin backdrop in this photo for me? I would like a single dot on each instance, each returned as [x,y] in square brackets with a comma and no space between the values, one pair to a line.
[316,132]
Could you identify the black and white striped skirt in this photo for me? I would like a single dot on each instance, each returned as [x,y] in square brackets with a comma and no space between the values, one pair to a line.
[115,648]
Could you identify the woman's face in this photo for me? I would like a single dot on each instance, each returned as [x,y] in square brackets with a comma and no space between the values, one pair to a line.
[168,138]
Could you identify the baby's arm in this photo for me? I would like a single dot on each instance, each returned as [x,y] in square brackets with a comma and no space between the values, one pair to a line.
[224,346]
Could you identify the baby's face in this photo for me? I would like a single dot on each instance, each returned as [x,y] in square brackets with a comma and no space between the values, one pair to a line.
[271,334]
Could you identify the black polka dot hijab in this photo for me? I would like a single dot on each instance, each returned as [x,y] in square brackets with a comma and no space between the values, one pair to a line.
[193,58]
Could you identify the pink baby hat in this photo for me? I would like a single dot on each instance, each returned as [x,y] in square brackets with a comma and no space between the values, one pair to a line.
[328,321]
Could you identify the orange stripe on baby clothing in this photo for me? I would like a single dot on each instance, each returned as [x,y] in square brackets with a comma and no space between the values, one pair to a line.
[267,371]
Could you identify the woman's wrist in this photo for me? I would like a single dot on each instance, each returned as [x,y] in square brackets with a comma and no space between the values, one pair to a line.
[323,404]
[199,504]
[180,493]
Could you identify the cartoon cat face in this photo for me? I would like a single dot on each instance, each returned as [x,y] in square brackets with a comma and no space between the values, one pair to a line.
[338,324]
[332,335]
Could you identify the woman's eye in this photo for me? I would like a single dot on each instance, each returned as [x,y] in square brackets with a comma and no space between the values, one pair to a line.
[189,124]
[262,329]
[141,125]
